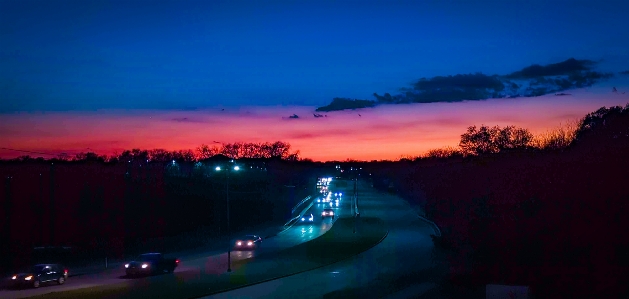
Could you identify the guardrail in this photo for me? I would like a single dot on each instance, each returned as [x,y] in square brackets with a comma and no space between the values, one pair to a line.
[295,208]
[299,215]
[434,225]
[292,219]
[300,203]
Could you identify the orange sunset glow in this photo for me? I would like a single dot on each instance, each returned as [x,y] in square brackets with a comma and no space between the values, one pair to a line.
[382,133]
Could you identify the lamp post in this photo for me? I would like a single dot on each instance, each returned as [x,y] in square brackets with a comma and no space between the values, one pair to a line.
[229,246]
[355,201]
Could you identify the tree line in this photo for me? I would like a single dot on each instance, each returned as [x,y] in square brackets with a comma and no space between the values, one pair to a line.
[238,150]
[485,140]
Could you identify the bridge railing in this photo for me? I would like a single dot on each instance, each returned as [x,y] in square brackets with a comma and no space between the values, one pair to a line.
[296,208]
[300,203]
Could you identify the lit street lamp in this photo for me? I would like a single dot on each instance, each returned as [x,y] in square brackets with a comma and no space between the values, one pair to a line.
[229,247]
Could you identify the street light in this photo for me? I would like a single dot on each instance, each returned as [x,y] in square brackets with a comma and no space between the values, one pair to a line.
[229,247]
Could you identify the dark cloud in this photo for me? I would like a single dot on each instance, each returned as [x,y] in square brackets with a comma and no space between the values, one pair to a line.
[534,80]
[303,135]
[190,120]
[345,103]
[566,67]
[309,134]
[624,72]
[447,89]
[395,126]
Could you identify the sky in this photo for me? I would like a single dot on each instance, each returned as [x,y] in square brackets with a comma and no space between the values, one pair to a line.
[111,75]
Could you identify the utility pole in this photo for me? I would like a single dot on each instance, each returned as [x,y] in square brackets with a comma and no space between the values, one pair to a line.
[355,201]
[40,213]
[7,217]
[229,248]
[228,170]
[52,204]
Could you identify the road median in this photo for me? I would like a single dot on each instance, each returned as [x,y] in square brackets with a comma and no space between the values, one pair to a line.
[337,244]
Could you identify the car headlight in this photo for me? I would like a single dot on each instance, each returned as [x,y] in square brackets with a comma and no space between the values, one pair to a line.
[14,277]
[302,219]
[238,243]
[249,243]
[144,266]
[28,277]
[126,265]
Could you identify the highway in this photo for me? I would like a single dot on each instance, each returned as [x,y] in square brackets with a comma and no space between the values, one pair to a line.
[399,267]
[214,262]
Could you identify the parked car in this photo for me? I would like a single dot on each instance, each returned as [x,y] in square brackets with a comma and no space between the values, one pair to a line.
[40,274]
[151,263]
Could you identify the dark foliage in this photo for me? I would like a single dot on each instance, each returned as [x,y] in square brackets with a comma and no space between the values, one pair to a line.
[552,220]
[115,208]
[486,140]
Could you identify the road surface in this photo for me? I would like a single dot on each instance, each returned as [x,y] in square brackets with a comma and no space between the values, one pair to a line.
[208,262]
[399,267]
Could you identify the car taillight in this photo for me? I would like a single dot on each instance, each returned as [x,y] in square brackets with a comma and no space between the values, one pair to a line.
[177,261]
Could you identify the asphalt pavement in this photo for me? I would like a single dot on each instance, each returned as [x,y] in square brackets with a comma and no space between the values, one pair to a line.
[398,267]
[210,262]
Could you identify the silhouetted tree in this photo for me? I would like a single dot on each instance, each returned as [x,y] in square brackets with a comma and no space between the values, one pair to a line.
[486,140]
[184,156]
[511,137]
[478,141]
[160,155]
[89,156]
[205,151]
[445,152]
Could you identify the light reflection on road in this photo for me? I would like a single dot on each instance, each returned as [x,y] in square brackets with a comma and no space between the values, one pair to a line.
[242,254]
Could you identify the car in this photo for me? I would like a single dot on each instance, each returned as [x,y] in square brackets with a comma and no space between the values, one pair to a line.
[307,218]
[151,263]
[248,242]
[327,212]
[40,274]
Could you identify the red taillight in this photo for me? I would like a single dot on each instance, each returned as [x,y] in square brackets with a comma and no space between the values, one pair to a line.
[65,271]
[177,261]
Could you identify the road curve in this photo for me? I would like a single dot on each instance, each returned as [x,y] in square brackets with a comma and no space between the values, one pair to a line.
[400,262]
[208,262]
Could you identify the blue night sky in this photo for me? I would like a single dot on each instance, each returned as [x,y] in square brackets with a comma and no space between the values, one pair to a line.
[87,55]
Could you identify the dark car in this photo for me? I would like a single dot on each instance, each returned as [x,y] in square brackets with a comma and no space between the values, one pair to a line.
[327,212]
[151,263]
[307,218]
[39,275]
[248,242]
